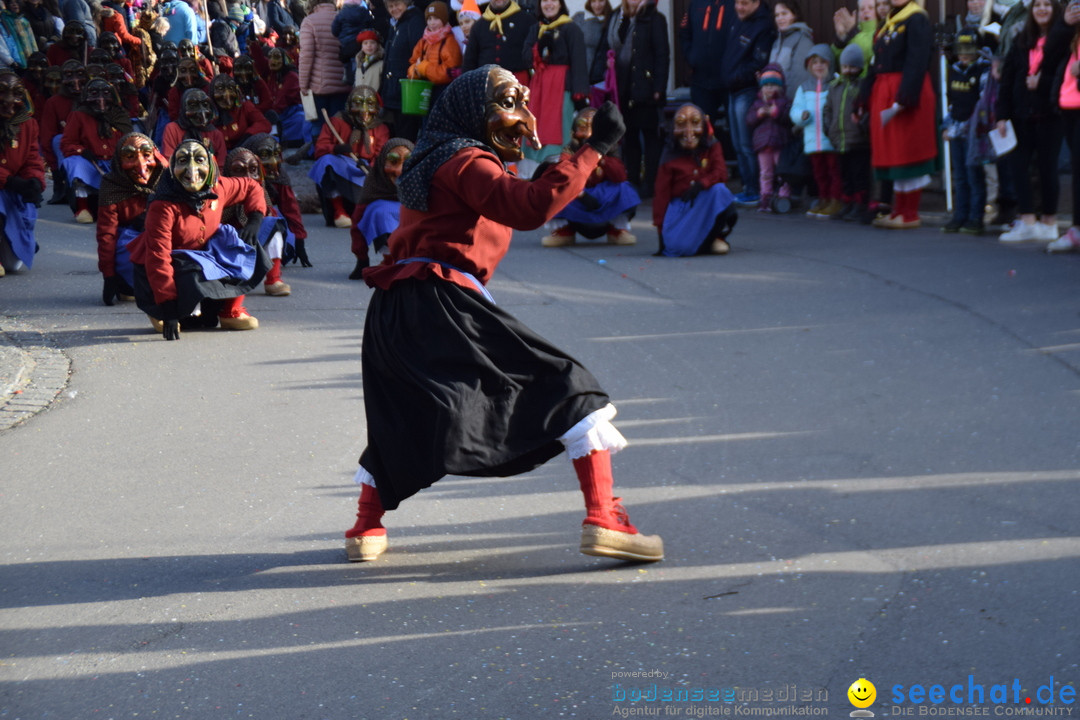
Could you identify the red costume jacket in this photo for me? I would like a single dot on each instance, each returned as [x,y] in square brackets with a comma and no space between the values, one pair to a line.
[246,121]
[674,177]
[81,133]
[473,207]
[324,145]
[611,169]
[58,53]
[259,95]
[286,92]
[109,221]
[176,226]
[284,199]
[53,119]
[174,135]
[22,156]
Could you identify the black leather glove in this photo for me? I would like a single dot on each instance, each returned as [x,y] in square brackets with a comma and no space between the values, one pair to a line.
[589,202]
[343,149]
[301,253]
[272,116]
[691,192]
[250,232]
[111,290]
[89,156]
[171,330]
[607,128]
[28,188]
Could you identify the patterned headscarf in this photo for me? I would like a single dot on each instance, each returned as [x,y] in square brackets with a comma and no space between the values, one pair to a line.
[458,121]
[378,186]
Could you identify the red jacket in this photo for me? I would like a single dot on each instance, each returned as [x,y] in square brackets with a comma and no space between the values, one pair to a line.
[176,226]
[109,221]
[246,121]
[259,95]
[81,133]
[473,207]
[326,141]
[611,169]
[22,158]
[284,199]
[285,93]
[674,177]
[53,119]
[174,135]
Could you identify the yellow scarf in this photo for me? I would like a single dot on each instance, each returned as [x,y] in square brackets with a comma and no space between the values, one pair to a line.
[496,18]
[561,20]
[893,21]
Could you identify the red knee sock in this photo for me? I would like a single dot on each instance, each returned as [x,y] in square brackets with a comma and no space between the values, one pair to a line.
[273,275]
[338,206]
[232,307]
[911,206]
[596,481]
[369,515]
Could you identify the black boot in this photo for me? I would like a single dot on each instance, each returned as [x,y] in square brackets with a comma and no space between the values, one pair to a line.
[358,271]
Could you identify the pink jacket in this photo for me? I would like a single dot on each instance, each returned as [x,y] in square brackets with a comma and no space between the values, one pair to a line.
[320,70]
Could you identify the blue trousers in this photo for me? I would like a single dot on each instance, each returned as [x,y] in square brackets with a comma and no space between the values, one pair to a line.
[743,138]
[969,184]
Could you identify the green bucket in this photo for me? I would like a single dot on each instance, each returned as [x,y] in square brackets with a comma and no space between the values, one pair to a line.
[415,96]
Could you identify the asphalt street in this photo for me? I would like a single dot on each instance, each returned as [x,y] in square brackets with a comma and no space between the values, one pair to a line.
[860,448]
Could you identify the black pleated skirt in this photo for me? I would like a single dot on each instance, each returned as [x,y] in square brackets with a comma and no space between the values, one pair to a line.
[192,287]
[453,385]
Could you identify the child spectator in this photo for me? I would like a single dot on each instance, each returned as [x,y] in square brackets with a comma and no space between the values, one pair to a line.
[466,18]
[353,18]
[807,114]
[850,137]
[437,52]
[768,120]
[369,61]
[966,79]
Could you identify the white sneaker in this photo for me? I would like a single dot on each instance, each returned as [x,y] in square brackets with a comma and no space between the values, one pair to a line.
[1066,243]
[1045,232]
[1020,232]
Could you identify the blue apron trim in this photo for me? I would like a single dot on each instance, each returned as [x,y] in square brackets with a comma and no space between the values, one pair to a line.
[472,278]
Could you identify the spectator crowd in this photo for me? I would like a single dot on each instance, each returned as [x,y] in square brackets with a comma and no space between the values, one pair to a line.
[102,94]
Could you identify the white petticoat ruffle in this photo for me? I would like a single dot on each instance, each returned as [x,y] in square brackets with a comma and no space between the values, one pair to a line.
[594,432]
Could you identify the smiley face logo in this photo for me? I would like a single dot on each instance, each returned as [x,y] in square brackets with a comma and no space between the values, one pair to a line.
[862,693]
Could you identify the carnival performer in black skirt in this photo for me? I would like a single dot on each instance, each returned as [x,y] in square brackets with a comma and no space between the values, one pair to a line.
[453,384]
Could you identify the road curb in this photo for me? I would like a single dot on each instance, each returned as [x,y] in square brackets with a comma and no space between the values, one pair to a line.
[32,372]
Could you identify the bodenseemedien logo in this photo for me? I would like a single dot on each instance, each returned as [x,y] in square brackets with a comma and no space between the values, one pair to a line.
[862,694]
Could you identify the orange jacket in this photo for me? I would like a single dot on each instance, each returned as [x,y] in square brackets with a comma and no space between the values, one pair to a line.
[434,61]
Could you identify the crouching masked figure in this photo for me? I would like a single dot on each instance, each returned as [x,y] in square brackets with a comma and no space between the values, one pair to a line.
[89,142]
[692,208]
[344,151]
[607,205]
[22,175]
[446,369]
[137,167]
[279,189]
[378,211]
[186,258]
[274,234]
[195,122]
